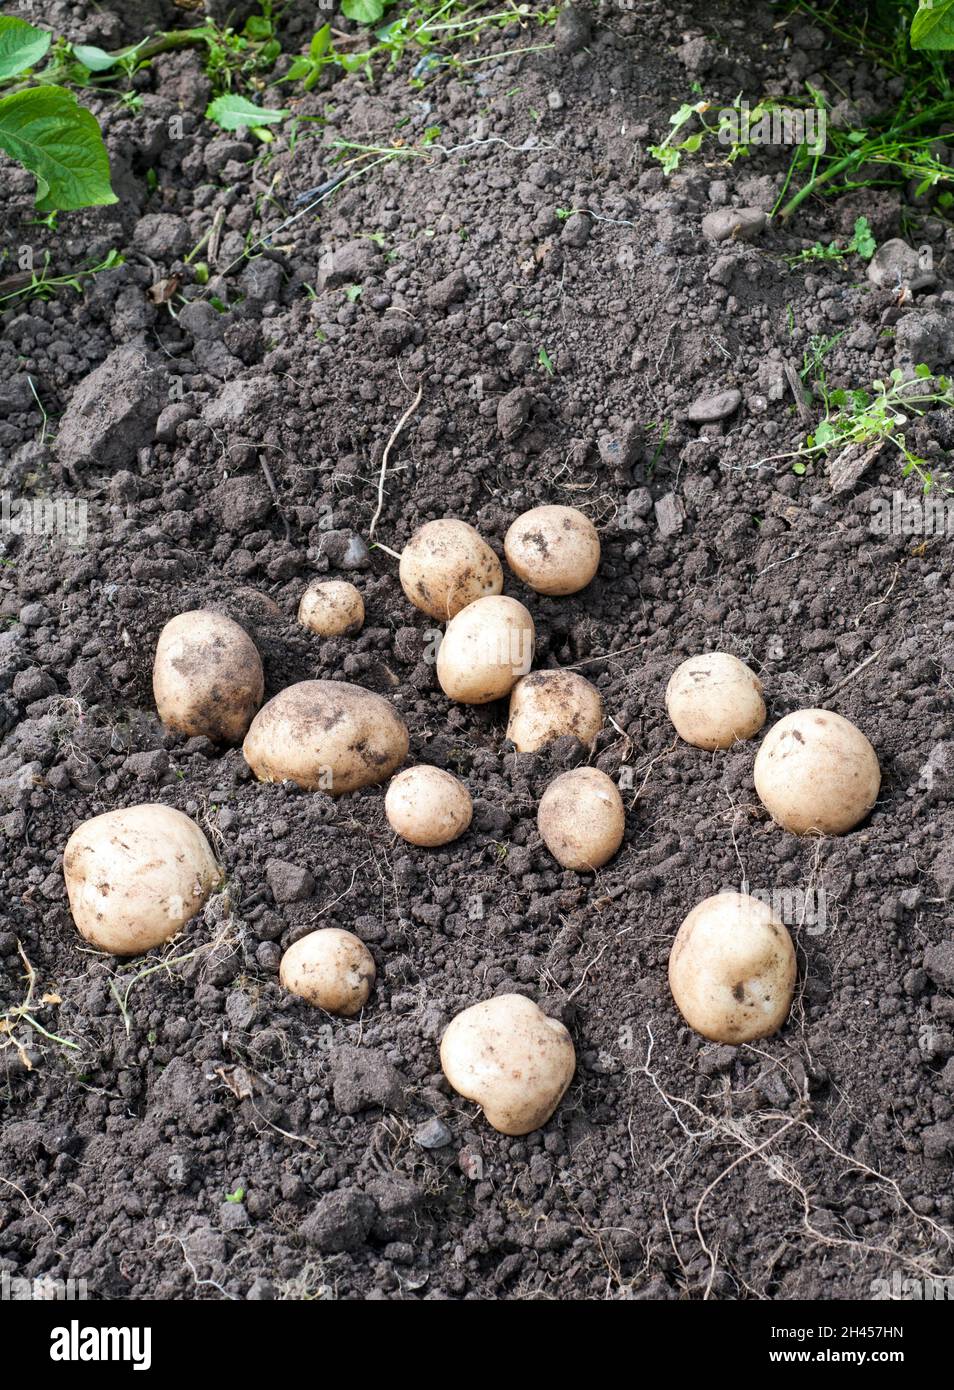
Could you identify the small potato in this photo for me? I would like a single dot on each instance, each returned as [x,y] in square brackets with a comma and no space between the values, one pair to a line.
[714,700]
[554,550]
[331,608]
[326,736]
[546,705]
[207,676]
[732,969]
[581,818]
[331,969]
[134,877]
[445,566]
[816,772]
[511,1058]
[427,806]
[486,649]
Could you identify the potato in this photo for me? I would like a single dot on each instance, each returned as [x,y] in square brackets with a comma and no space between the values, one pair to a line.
[714,700]
[732,969]
[581,818]
[486,649]
[331,969]
[815,771]
[427,806]
[548,704]
[207,676]
[555,550]
[331,608]
[445,566]
[134,877]
[510,1058]
[326,736]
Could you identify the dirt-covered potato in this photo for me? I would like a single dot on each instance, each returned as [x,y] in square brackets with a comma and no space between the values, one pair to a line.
[485,650]
[548,704]
[509,1057]
[581,818]
[331,969]
[427,806]
[554,550]
[326,736]
[446,565]
[714,700]
[135,876]
[732,969]
[207,676]
[331,608]
[816,772]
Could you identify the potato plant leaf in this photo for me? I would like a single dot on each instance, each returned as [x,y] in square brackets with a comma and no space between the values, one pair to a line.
[21,45]
[47,131]
[229,112]
[363,11]
[933,26]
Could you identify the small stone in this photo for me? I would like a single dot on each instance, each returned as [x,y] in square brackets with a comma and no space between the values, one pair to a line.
[290,883]
[705,410]
[432,1134]
[670,515]
[513,412]
[576,230]
[896,265]
[739,224]
[554,101]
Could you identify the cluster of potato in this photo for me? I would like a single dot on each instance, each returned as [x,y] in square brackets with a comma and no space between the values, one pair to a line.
[135,877]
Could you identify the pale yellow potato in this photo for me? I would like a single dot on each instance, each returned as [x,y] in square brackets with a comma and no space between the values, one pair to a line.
[817,773]
[555,550]
[136,876]
[732,969]
[581,818]
[714,700]
[326,736]
[427,806]
[446,565]
[510,1058]
[331,608]
[546,705]
[331,969]
[207,676]
[485,650]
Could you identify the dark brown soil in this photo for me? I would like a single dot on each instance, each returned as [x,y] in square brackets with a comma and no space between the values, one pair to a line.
[229,455]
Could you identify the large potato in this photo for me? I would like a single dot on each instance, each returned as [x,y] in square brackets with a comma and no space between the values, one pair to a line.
[485,650]
[445,566]
[816,772]
[331,608]
[546,705]
[207,676]
[714,700]
[331,969]
[326,736]
[427,806]
[509,1057]
[134,877]
[581,818]
[555,550]
[732,969]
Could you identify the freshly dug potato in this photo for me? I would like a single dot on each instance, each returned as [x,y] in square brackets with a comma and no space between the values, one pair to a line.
[134,877]
[817,772]
[326,736]
[445,566]
[427,806]
[555,550]
[331,969]
[331,608]
[581,818]
[714,700]
[548,704]
[486,649]
[510,1058]
[732,969]
[207,676]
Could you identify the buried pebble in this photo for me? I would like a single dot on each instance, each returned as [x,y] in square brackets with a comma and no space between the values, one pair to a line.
[706,410]
[432,1134]
[739,224]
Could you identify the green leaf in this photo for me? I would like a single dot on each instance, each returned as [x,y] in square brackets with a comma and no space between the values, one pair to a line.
[933,26]
[229,112]
[320,43]
[21,46]
[363,11]
[922,370]
[47,131]
[96,59]
[258,27]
